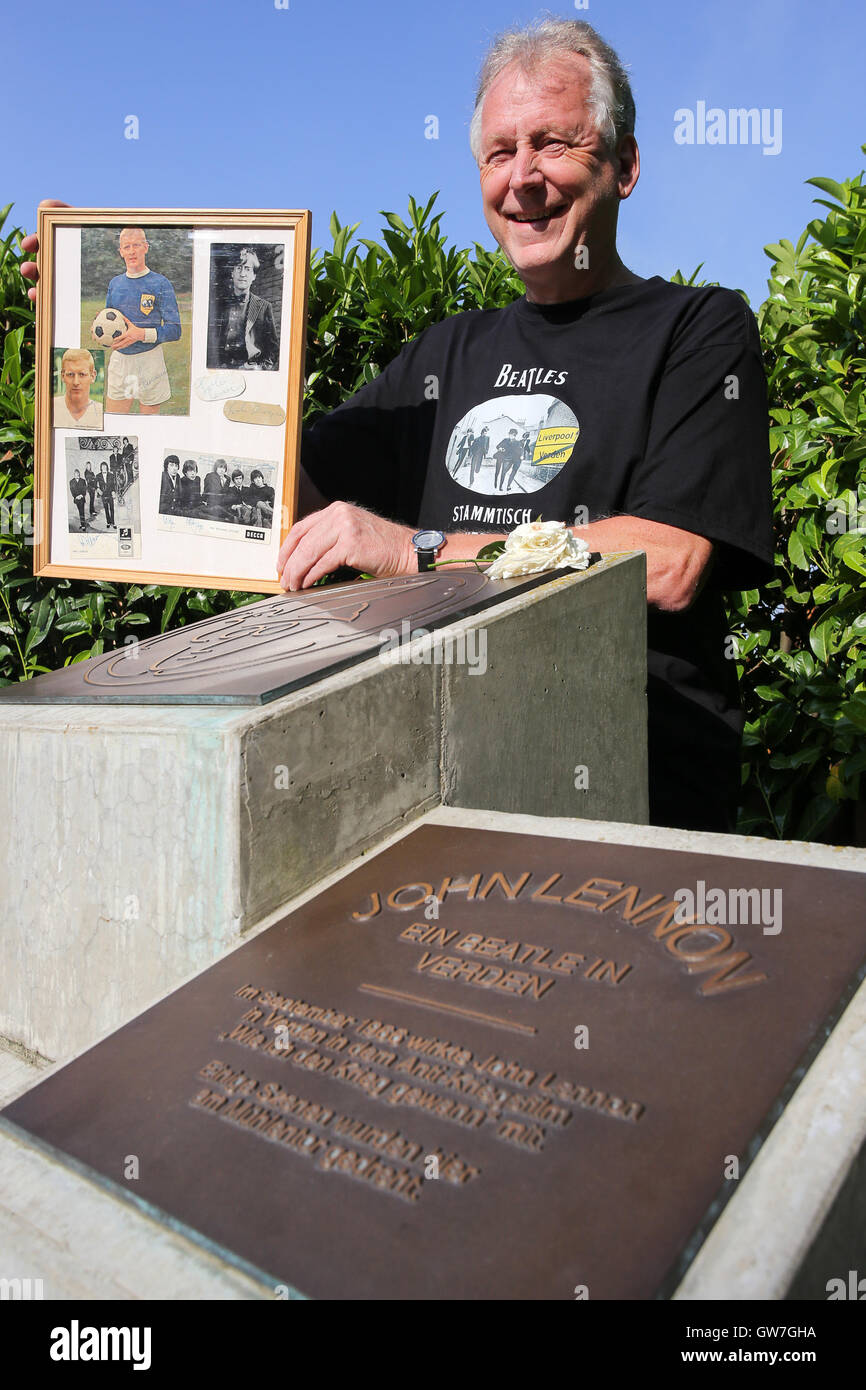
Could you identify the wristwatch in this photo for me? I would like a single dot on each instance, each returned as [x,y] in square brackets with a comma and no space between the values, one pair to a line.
[427,545]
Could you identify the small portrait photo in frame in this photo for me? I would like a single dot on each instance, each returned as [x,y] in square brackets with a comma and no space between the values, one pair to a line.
[246,292]
[185,329]
[78,388]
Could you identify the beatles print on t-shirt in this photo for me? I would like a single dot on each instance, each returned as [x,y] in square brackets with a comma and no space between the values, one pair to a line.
[512,444]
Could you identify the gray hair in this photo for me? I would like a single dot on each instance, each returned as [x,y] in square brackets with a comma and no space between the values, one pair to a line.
[610,92]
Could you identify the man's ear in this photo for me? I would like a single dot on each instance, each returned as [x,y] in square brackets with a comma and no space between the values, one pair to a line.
[627,161]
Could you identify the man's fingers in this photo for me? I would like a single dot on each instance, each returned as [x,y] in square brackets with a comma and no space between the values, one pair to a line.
[128,338]
[295,536]
[322,540]
[328,562]
[303,560]
[30,243]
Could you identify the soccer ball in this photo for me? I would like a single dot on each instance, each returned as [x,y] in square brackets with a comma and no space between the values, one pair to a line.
[108,326]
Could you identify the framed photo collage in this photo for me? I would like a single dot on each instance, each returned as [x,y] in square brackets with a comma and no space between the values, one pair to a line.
[170,354]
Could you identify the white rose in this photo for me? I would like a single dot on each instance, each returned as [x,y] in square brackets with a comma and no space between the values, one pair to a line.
[537,546]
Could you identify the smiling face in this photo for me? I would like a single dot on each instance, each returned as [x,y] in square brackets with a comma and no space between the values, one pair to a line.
[549,183]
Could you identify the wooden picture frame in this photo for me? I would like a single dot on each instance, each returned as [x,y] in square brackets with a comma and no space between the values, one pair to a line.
[208,372]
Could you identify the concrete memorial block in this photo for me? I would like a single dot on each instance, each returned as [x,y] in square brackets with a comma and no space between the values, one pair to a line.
[166,798]
[499,1059]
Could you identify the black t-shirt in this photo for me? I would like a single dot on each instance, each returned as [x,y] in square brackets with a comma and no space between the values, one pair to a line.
[646,400]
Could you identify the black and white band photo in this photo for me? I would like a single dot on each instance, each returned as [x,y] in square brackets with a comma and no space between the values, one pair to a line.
[512,444]
[246,294]
[103,504]
[211,495]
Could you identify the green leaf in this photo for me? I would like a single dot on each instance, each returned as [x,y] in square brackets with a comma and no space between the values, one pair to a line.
[818,815]
[396,222]
[796,551]
[821,640]
[832,187]
[803,757]
[171,601]
[850,548]
[855,710]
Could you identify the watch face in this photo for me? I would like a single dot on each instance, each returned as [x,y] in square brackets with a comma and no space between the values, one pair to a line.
[428,540]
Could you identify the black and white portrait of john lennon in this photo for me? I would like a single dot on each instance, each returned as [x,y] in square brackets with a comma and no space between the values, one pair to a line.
[246,294]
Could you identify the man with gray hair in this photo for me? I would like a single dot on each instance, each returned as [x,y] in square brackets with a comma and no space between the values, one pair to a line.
[656,391]
[659,386]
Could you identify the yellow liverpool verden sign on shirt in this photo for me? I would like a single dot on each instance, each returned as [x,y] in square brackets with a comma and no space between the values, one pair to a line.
[554,445]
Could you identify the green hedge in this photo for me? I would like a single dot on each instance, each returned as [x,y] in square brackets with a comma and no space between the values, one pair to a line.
[798,641]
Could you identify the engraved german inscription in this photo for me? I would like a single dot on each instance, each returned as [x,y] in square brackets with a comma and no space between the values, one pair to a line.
[482,1065]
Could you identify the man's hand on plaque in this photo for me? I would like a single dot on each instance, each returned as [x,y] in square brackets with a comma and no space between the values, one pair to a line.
[30,244]
[342,534]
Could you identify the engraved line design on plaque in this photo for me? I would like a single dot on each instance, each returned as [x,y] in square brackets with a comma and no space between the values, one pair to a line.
[437,1004]
[277,629]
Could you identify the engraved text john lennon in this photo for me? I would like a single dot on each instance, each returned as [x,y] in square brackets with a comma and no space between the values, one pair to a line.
[698,946]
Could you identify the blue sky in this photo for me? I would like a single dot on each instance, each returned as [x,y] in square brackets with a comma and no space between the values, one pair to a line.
[323,105]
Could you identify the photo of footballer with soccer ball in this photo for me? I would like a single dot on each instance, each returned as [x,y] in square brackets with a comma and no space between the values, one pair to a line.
[141,316]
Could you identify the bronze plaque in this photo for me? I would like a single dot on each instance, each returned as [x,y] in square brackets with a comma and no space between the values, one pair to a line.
[266,649]
[482,1066]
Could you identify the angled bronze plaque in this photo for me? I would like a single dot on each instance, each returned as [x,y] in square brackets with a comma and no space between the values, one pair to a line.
[536,1093]
[263,650]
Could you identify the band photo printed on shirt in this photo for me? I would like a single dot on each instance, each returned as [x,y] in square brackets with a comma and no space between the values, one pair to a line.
[510,445]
